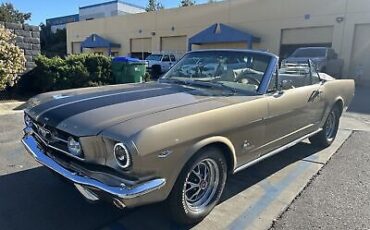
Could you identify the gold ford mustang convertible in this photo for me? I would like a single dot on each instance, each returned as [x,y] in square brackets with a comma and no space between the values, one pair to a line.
[214,113]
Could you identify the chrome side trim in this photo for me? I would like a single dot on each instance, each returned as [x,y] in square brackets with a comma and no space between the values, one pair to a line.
[291,144]
[286,136]
[122,192]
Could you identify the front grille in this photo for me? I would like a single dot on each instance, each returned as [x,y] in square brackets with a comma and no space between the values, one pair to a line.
[52,138]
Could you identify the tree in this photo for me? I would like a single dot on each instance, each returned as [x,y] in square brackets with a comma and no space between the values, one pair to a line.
[185,3]
[9,14]
[53,43]
[12,60]
[153,5]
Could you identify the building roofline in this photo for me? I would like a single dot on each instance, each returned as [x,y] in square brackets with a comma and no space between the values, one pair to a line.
[66,16]
[110,2]
[264,52]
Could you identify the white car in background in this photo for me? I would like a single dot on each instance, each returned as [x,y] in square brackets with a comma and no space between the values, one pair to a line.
[325,59]
[166,61]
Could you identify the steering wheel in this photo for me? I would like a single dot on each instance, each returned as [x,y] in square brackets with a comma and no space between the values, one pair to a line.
[248,80]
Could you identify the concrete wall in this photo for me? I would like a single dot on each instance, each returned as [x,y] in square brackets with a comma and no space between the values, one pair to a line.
[28,39]
[264,18]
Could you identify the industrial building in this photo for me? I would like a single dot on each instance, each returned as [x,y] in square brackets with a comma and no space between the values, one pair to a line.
[90,12]
[279,26]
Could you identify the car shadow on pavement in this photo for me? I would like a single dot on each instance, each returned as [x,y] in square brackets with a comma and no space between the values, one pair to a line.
[37,199]
[258,172]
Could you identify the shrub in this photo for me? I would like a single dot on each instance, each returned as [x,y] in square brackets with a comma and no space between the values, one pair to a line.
[12,60]
[75,71]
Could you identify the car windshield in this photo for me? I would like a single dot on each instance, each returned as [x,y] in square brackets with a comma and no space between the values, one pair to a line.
[238,70]
[309,53]
[154,57]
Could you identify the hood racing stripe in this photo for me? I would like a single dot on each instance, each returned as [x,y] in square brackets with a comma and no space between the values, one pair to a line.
[60,113]
[95,93]
[92,98]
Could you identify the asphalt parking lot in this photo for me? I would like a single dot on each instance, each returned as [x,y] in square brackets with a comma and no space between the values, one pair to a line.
[33,198]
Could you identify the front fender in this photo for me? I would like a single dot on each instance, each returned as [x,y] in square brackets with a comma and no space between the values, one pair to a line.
[214,140]
[170,162]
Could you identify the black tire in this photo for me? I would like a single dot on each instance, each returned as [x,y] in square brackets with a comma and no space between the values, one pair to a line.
[326,137]
[180,206]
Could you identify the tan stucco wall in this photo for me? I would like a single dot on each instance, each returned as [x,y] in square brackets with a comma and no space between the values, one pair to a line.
[264,18]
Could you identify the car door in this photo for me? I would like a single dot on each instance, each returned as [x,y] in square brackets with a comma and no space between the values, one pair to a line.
[293,112]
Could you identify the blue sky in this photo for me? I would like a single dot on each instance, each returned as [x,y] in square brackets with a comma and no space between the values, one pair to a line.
[43,9]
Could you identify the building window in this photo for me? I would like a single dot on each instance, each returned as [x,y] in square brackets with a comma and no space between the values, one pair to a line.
[114,54]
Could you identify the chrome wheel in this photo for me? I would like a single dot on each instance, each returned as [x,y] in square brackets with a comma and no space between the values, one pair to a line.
[330,126]
[201,185]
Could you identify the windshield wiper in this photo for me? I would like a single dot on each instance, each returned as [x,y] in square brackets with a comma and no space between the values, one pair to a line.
[201,83]
[173,81]
[213,84]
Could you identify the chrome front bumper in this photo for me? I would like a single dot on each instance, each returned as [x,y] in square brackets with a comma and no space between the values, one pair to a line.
[83,182]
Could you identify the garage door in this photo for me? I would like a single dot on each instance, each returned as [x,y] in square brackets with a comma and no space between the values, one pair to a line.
[360,61]
[291,39]
[228,45]
[174,44]
[141,47]
[307,35]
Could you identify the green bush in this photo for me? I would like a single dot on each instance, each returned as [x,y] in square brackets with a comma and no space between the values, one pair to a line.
[75,71]
[12,61]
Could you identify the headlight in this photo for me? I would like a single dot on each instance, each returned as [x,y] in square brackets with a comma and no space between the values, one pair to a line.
[74,147]
[27,120]
[122,155]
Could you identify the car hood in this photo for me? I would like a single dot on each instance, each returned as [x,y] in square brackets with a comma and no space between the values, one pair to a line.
[87,112]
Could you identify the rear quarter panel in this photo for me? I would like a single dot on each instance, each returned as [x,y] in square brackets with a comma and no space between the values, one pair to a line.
[337,90]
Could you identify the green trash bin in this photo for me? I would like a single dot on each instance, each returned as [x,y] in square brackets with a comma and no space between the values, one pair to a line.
[128,70]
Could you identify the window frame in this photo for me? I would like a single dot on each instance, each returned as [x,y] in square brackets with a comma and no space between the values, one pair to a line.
[164,56]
